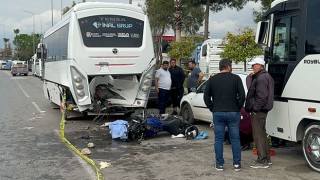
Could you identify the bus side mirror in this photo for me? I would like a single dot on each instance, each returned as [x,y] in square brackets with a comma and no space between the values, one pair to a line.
[204,50]
[38,53]
[44,53]
[262,33]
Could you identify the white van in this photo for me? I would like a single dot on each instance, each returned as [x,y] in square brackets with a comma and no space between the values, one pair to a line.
[3,65]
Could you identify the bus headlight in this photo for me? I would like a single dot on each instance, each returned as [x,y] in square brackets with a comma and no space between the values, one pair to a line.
[80,93]
[147,82]
[77,79]
[79,86]
[145,88]
[149,76]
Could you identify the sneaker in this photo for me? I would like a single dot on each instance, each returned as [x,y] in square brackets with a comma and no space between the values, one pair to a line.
[219,168]
[174,113]
[268,161]
[237,167]
[256,164]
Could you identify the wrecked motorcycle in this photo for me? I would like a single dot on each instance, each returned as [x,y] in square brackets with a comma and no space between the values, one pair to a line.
[146,126]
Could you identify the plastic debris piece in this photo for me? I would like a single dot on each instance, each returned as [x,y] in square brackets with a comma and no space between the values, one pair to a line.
[90,145]
[105,124]
[178,136]
[85,151]
[104,165]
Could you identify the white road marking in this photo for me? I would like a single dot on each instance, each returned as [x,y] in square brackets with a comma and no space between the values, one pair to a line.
[25,93]
[37,107]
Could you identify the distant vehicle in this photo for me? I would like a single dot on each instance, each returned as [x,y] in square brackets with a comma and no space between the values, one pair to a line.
[102,55]
[19,68]
[9,64]
[3,65]
[36,68]
[210,58]
[193,107]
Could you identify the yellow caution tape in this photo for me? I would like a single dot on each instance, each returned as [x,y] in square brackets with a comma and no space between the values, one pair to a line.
[74,149]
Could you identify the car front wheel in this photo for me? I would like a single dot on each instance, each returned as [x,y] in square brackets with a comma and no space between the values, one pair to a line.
[187,113]
[311,146]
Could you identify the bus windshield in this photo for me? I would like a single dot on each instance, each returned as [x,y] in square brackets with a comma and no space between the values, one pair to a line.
[111,31]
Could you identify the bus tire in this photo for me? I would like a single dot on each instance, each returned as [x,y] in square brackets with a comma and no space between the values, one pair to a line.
[311,144]
[187,113]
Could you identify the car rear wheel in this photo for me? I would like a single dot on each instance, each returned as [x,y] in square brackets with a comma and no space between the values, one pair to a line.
[311,146]
[187,113]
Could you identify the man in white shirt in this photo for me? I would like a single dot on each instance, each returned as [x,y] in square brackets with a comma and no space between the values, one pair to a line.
[162,83]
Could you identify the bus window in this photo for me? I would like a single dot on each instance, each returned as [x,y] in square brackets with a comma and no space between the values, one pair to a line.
[293,43]
[312,44]
[280,39]
[285,39]
[111,31]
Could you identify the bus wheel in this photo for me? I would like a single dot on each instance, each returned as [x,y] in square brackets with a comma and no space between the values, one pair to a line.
[187,113]
[311,146]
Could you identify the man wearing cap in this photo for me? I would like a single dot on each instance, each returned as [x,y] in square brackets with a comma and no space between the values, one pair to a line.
[259,102]
[162,83]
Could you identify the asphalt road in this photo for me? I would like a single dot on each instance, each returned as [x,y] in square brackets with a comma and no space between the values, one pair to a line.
[31,148]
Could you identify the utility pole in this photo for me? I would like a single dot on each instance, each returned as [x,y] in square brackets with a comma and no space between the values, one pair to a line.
[51,13]
[33,33]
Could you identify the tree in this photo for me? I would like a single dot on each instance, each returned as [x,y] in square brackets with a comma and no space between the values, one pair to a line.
[66,9]
[7,50]
[241,47]
[25,42]
[265,6]
[16,32]
[162,18]
[216,6]
[182,49]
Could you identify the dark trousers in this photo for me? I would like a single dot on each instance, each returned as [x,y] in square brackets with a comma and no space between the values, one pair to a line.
[163,96]
[258,122]
[176,96]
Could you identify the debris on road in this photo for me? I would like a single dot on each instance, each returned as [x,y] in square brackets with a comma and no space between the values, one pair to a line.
[85,151]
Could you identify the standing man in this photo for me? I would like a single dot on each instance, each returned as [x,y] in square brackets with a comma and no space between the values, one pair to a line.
[195,76]
[258,103]
[162,83]
[224,96]
[177,79]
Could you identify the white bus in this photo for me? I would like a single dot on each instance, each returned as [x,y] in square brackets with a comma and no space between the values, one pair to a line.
[102,54]
[291,33]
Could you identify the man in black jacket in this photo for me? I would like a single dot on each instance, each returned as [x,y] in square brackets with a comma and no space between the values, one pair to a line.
[177,90]
[258,103]
[224,96]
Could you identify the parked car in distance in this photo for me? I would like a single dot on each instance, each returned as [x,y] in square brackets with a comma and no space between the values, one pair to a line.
[193,107]
[19,69]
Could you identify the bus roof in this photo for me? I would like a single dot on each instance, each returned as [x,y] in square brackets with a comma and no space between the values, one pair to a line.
[93,5]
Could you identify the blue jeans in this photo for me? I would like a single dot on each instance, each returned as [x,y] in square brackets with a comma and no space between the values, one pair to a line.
[231,120]
[163,97]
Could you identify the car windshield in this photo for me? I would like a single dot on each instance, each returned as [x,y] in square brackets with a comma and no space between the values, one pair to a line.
[202,87]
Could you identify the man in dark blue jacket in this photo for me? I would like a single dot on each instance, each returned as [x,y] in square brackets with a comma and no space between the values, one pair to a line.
[224,96]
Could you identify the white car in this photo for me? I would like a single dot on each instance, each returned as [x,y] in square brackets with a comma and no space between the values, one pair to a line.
[193,107]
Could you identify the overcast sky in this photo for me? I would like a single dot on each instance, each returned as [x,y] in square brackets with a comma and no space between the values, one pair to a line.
[14,15]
